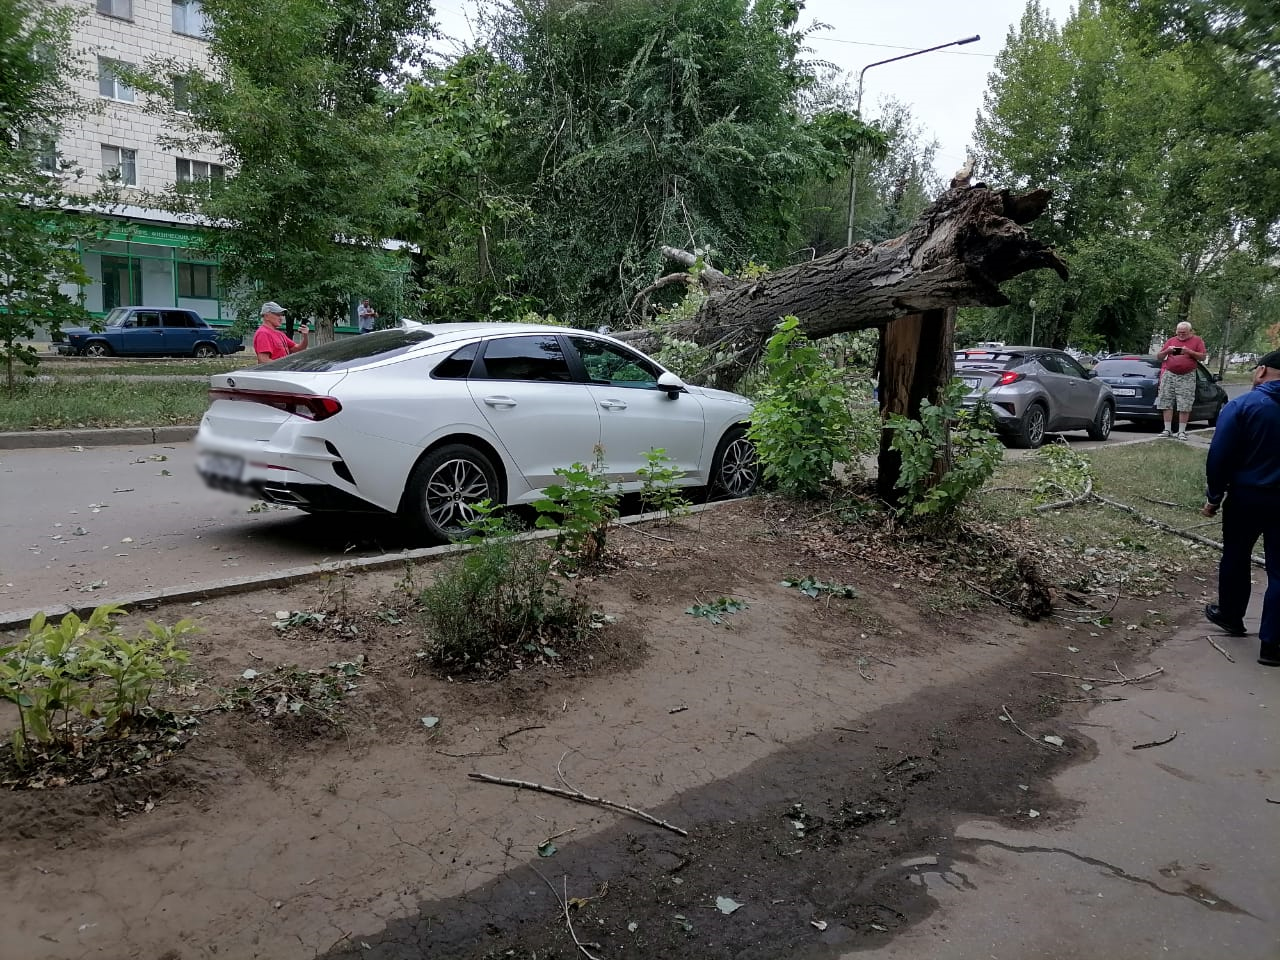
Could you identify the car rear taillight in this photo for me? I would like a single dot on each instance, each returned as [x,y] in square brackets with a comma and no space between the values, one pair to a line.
[299,404]
[1008,377]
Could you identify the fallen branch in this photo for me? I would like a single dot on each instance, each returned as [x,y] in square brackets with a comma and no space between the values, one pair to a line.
[1166,527]
[1165,503]
[1156,743]
[578,796]
[1081,497]
[1008,716]
[1215,646]
[1071,676]
[1087,699]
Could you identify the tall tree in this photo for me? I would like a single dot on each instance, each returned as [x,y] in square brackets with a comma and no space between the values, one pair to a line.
[300,103]
[38,260]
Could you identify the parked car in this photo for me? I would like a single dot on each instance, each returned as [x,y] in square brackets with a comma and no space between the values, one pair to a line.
[1135,378]
[1034,391]
[148,332]
[426,420]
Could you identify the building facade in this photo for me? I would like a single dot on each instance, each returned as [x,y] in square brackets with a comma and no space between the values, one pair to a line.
[144,255]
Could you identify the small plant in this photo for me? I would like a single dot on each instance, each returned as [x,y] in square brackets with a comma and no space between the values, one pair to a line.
[717,610]
[658,489]
[292,692]
[803,423]
[498,599]
[83,680]
[816,588]
[975,452]
[580,509]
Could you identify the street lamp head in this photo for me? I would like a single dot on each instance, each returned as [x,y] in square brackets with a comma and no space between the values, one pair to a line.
[974,39]
[1031,304]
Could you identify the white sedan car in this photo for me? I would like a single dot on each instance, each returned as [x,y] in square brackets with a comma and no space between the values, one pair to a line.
[426,420]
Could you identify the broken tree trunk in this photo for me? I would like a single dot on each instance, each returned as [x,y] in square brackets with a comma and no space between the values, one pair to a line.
[957,254]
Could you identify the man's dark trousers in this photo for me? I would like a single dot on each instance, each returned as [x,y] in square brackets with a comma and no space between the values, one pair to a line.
[1246,516]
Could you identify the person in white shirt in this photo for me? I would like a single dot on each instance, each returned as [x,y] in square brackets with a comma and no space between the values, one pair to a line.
[368,316]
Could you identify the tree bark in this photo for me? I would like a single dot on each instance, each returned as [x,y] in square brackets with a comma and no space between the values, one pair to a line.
[958,253]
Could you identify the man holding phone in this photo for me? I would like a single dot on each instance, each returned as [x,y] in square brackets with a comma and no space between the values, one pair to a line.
[270,342]
[1178,358]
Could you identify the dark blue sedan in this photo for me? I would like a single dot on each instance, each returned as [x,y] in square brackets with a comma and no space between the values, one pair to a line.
[148,332]
[1135,378]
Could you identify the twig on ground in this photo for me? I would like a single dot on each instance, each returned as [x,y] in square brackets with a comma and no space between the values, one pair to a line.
[1081,497]
[1229,657]
[1156,743]
[1007,490]
[578,796]
[990,596]
[1269,800]
[502,740]
[564,907]
[1087,699]
[680,709]
[852,729]
[644,533]
[866,676]
[1072,676]
[557,836]
[256,657]
[1165,503]
[1123,678]
[1168,528]
[1008,716]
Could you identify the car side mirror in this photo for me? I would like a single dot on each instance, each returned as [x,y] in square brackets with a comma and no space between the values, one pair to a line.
[672,384]
[1217,378]
[1090,374]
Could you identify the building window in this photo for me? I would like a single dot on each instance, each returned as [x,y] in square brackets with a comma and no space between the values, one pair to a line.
[42,149]
[116,8]
[109,84]
[191,171]
[189,19]
[198,281]
[122,163]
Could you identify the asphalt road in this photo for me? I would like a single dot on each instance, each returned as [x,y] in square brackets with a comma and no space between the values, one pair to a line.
[119,519]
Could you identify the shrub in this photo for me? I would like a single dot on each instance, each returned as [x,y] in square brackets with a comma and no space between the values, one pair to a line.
[580,509]
[658,490]
[499,596]
[802,424]
[975,452]
[83,679]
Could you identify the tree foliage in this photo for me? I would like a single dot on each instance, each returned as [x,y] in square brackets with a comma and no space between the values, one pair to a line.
[37,240]
[1162,149]
[320,175]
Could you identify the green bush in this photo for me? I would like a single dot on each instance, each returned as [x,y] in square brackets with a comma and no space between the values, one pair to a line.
[975,452]
[580,509]
[658,490]
[500,597]
[802,425]
[83,679]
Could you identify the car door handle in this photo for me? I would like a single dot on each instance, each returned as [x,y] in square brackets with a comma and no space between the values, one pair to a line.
[613,404]
[499,401]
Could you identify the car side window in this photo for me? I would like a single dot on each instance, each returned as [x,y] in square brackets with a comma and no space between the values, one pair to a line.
[1070,367]
[608,363]
[538,358]
[1049,362]
[457,366]
[178,318]
[147,319]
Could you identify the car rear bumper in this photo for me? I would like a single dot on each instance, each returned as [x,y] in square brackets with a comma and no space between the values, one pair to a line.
[310,496]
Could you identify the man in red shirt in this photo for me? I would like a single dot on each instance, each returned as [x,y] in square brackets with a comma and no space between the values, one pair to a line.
[270,342]
[1178,359]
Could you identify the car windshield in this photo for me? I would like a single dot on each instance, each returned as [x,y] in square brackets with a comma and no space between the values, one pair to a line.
[352,351]
[1127,367]
[115,317]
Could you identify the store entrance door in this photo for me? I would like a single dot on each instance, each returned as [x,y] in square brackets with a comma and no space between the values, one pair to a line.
[121,282]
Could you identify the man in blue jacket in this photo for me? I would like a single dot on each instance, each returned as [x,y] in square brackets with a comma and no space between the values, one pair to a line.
[1244,467]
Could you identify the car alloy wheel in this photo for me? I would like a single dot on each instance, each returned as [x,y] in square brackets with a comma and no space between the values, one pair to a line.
[206,351]
[1035,424]
[97,350]
[736,470]
[1100,429]
[444,488]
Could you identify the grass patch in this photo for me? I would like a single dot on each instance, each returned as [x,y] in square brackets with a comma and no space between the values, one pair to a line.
[150,368]
[93,402]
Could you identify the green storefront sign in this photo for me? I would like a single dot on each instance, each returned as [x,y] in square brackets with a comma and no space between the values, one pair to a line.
[155,235]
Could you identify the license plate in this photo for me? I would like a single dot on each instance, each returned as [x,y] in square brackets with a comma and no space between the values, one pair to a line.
[972,382]
[221,465]
[1124,391]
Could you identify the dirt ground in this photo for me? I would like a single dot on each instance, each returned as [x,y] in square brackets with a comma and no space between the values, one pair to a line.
[809,747]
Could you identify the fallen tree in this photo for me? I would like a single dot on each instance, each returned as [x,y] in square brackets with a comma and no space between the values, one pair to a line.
[957,254]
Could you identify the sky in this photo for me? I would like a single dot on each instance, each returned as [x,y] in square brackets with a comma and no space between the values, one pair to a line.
[943,89]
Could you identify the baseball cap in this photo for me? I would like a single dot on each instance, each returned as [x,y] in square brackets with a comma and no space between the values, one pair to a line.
[1271,360]
[271,307]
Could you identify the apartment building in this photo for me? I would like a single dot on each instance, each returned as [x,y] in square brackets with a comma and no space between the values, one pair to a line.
[145,255]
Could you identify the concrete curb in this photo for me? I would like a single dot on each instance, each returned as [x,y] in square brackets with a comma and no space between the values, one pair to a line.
[19,619]
[33,439]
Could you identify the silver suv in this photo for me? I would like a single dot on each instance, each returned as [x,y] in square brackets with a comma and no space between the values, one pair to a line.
[1034,391]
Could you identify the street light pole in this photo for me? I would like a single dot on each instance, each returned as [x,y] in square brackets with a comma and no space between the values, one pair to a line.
[1032,305]
[853,169]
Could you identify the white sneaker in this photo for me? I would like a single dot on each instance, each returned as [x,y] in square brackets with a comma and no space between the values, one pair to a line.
[1182,434]
[1166,433]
